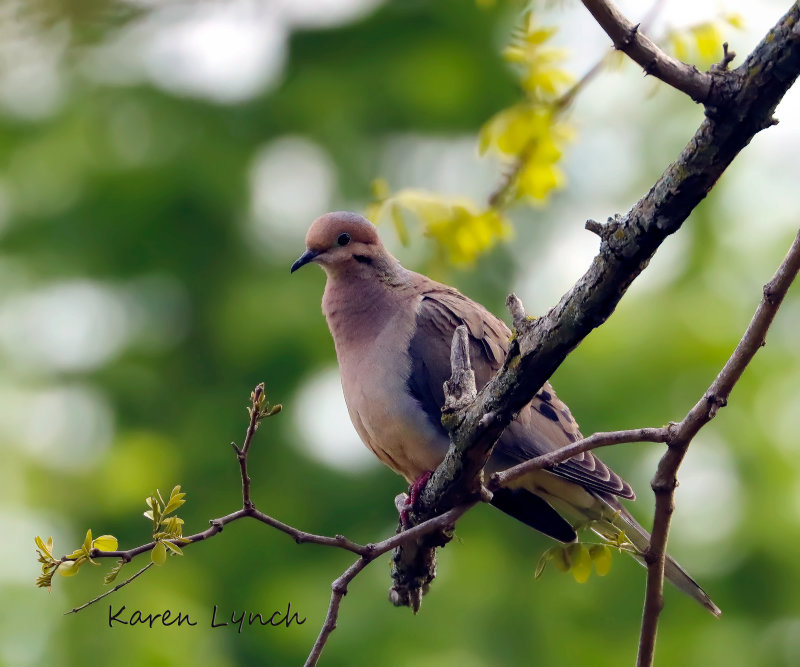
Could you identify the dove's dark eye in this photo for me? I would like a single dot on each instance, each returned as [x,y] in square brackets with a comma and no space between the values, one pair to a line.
[343,239]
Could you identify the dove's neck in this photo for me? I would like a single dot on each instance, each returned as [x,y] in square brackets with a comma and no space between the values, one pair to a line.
[360,301]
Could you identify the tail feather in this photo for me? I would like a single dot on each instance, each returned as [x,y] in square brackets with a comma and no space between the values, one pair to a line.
[640,539]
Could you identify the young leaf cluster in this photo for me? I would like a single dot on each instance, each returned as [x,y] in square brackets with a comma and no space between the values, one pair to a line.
[530,135]
[259,403]
[70,564]
[528,138]
[166,529]
[578,558]
[462,230]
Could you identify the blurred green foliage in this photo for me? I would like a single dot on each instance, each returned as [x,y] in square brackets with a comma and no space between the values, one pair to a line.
[129,207]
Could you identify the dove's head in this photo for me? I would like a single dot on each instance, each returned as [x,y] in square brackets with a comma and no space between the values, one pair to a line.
[341,241]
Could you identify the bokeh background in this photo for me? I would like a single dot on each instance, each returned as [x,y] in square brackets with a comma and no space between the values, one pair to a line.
[159,165]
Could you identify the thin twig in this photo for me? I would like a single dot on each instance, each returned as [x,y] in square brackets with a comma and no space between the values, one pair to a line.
[75,610]
[705,409]
[630,39]
[339,586]
[594,441]
[338,591]
[241,454]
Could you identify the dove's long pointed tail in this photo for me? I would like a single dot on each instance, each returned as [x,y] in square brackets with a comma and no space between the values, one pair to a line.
[672,571]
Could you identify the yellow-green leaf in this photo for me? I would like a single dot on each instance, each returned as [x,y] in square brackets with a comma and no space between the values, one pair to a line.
[159,554]
[546,557]
[580,562]
[173,548]
[561,559]
[601,557]
[105,543]
[69,568]
[45,547]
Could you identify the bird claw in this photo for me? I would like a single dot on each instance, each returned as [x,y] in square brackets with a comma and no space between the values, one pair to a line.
[418,487]
[406,503]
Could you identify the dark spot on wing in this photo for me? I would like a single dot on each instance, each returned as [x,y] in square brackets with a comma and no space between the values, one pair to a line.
[545,396]
[548,412]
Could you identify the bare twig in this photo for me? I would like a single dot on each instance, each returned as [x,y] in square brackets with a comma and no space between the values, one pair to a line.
[705,409]
[594,441]
[629,38]
[241,453]
[339,586]
[75,610]
[338,591]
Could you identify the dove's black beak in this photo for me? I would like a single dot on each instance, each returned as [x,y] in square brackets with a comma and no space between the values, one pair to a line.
[304,259]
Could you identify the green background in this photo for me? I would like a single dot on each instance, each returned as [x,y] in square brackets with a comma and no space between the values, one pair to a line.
[142,296]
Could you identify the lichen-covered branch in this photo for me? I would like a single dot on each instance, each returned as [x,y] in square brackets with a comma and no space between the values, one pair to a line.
[629,241]
[457,482]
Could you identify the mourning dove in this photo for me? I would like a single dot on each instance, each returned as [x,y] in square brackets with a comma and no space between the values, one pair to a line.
[392,329]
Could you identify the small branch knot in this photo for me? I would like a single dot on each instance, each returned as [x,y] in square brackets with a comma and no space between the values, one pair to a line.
[714,404]
[672,432]
[664,486]
[769,293]
[519,318]
[594,227]
[460,389]
[612,236]
[727,59]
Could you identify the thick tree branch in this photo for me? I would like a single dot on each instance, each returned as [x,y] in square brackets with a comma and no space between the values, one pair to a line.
[666,480]
[628,242]
[456,482]
[629,38]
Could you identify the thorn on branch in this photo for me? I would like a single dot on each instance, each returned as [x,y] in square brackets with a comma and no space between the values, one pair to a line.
[629,39]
